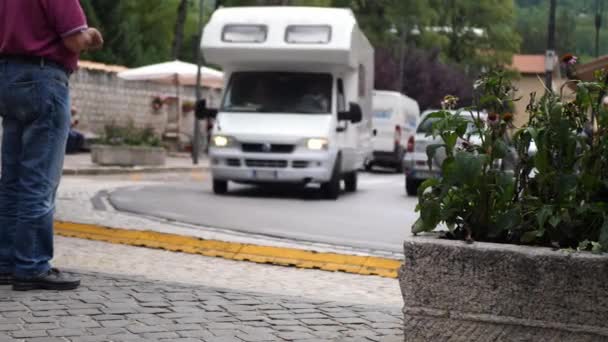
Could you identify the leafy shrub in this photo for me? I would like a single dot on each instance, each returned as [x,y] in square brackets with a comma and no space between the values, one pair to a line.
[557,193]
[129,135]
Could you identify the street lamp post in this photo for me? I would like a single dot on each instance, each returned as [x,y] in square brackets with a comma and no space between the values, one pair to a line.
[599,11]
[550,54]
[197,129]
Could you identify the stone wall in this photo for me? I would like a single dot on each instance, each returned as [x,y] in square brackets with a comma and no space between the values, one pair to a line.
[454,291]
[102,98]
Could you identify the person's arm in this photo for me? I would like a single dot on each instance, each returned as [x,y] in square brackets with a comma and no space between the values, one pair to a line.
[69,22]
[89,39]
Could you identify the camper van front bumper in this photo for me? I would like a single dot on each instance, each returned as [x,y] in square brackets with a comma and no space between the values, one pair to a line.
[298,167]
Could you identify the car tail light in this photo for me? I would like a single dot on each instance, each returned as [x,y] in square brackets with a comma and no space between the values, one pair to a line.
[410,144]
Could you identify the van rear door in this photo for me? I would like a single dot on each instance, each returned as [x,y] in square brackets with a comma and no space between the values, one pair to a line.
[387,123]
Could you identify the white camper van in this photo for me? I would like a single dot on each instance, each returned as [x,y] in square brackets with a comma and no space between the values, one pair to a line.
[297,101]
[394,125]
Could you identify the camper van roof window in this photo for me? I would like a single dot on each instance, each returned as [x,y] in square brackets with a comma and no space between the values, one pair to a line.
[244,33]
[308,34]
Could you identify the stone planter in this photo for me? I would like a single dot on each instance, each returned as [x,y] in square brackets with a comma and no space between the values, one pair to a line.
[127,155]
[492,292]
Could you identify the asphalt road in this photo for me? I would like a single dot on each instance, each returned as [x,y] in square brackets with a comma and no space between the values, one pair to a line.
[378,216]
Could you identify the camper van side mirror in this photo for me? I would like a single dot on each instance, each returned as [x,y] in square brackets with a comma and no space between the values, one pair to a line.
[356,115]
[202,112]
[353,114]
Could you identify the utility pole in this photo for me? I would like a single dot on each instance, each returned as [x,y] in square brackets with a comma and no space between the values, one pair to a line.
[550,54]
[599,11]
[196,143]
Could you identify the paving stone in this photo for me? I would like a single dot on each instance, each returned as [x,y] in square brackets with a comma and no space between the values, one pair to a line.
[141,329]
[81,312]
[160,335]
[46,339]
[66,332]
[257,337]
[319,322]
[228,315]
[291,336]
[9,327]
[29,333]
[116,323]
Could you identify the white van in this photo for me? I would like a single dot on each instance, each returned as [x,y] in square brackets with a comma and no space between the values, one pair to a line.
[394,125]
[297,101]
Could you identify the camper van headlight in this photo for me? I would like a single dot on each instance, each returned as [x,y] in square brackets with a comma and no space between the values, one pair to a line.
[222,141]
[317,144]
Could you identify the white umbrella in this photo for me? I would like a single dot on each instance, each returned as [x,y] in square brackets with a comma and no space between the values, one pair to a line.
[176,73]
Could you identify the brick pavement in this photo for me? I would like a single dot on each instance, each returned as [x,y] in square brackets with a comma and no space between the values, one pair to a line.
[122,308]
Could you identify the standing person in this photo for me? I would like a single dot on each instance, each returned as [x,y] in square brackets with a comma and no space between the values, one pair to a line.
[40,42]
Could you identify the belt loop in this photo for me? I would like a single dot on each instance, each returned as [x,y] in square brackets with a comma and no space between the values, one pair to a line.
[41,63]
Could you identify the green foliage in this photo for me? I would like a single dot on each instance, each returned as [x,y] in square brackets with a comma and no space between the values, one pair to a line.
[140,32]
[575,27]
[557,193]
[129,135]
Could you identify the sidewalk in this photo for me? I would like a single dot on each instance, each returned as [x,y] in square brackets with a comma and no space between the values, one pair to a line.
[81,164]
[119,308]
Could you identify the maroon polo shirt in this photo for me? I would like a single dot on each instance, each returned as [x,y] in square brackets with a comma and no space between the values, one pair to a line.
[36,28]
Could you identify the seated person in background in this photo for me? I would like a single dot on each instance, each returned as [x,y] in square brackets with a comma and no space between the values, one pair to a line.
[75,142]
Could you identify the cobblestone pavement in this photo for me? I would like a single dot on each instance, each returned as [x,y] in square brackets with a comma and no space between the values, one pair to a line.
[215,272]
[120,308]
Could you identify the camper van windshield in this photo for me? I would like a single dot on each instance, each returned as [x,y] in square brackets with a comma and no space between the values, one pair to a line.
[279,92]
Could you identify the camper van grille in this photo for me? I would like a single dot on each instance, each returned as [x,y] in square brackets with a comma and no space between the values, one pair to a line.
[267,148]
[233,162]
[266,163]
[299,164]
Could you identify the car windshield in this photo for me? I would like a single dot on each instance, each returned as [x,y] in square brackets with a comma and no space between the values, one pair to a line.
[279,92]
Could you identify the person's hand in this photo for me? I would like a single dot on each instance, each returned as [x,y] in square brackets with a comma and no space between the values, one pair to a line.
[95,41]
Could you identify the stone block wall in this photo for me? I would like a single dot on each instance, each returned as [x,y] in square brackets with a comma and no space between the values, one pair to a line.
[453,291]
[102,98]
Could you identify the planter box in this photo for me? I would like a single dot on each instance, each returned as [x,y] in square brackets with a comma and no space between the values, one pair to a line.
[128,155]
[492,292]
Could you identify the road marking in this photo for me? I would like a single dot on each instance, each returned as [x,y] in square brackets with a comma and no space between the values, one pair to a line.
[364,265]
[198,176]
[136,177]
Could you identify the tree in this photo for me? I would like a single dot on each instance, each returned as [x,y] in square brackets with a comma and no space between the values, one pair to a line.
[426,78]
[480,34]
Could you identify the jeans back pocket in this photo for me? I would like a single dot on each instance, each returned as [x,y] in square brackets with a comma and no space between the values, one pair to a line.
[21,101]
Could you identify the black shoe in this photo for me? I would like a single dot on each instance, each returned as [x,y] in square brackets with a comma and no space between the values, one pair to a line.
[52,280]
[6,278]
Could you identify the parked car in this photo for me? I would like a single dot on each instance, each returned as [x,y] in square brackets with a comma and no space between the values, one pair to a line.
[415,162]
[416,165]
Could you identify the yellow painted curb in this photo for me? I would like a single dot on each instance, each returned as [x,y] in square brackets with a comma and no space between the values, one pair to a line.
[366,265]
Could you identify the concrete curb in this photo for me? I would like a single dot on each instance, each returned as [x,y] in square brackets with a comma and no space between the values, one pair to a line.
[363,265]
[130,170]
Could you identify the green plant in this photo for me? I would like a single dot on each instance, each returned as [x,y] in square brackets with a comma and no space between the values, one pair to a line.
[474,193]
[129,135]
[556,194]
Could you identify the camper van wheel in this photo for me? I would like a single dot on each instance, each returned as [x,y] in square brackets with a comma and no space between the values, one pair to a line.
[331,189]
[220,187]
[350,181]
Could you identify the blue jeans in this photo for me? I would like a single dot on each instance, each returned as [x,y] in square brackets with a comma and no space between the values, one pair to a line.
[35,110]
